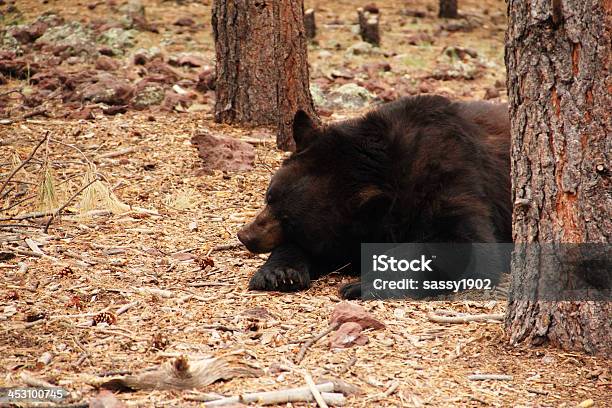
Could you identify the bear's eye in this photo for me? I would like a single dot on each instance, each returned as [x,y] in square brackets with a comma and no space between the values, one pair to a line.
[269,198]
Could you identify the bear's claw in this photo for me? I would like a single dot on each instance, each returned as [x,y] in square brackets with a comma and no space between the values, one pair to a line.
[351,291]
[280,278]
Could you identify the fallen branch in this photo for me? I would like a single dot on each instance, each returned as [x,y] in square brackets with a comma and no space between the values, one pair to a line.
[32,381]
[536,391]
[33,245]
[225,247]
[389,391]
[481,377]
[348,365]
[59,210]
[310,342]
[125,308]
[116,153]
[464,319]
[392,388]
[19,91]
[183,374]
[35,112]
[27,216]
[315,392]
[15,204]
[18,226]
[300,394]
[23,163]
[27,253]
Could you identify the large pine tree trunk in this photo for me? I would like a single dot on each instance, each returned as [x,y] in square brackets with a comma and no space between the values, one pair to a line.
[560,94]
[262,66]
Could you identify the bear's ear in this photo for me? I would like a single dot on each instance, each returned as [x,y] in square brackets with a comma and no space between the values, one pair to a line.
[304,130]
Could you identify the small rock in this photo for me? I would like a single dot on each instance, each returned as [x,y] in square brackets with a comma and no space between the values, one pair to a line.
[20,68]
[206,79]
[189,60]
[106,50]
[108,89]
[184,22]
[465,24]
[413,13]
[420,38]
[352,312]
[223,153]
[71,39]
[105,63]
[10,43]
[114,110]
[347,335]
[29,33]
[84,113]
[317,95]
[373,68]
[360,48]
[586,403]
[141,57]
[491,93]
[458,63]
[159,67]
[176,102]
[460,52]
[117,39]
[149,95]
[341,73]
[350,96]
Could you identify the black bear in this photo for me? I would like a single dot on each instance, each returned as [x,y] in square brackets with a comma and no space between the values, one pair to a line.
[419,169]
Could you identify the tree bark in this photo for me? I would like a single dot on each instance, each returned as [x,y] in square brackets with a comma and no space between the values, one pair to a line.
[560,94]
[262,65]
[369,25]
[448,9]
[310,25]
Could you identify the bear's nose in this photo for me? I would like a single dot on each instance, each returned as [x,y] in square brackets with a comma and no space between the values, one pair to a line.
[243,237]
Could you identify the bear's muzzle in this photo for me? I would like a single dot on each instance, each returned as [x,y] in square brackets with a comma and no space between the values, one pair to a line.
[263,234]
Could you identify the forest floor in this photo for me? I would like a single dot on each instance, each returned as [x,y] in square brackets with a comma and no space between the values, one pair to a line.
[162,249]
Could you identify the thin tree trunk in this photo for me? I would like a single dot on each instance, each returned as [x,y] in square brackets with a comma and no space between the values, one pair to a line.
[560,94]
[448,9]
[262,67]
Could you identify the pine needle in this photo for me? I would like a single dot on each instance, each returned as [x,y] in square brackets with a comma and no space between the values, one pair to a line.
[184,199]
[98,196]
[47,196]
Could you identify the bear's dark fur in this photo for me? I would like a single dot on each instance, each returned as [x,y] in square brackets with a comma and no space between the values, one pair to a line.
[420,169]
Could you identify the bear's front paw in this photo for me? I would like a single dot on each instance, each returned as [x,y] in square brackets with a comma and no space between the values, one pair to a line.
[280,278]
[351,291]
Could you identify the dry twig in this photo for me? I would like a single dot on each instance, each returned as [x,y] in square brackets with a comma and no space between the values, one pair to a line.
[315,392]
[465,319]
[310,342]
[23,163]
[300,394]
[59,210]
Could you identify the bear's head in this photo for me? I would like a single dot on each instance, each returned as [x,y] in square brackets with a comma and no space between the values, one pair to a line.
[329,194]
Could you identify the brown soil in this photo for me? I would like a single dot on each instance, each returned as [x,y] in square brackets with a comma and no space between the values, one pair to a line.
[99,261]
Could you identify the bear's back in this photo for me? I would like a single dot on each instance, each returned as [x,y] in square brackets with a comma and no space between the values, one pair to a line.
[464,146]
